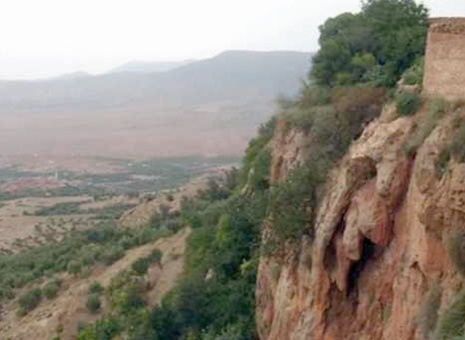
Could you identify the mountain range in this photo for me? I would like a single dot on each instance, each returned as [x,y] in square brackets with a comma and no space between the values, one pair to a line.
[149,67]
[229,95]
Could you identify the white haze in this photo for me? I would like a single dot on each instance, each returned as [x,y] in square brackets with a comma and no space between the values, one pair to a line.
[50,37]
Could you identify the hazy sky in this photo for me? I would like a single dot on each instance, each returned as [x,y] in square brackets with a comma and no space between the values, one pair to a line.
[50,37]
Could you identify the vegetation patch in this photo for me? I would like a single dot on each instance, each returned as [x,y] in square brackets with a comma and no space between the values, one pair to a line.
[414,74]
[127,293]
[428,316]
[407,103]
[293,203]
[437,108]
[51,289]
[443,161]
[451,325]
[93,303]
[95,288]
[257,149]
[457,147]
[29,301]
[140,266]
[373,47]
[456,250]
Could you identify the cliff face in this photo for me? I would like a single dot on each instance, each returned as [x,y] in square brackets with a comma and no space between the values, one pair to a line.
[379,254]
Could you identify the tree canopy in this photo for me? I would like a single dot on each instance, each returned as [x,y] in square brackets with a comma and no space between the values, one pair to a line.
[374,46]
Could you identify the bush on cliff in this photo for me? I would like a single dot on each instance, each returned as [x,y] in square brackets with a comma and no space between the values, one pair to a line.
[407,103]
[437,107]
[456,250]
[293,203]
[256,147]
[451,325]
[414,75]
[457,148]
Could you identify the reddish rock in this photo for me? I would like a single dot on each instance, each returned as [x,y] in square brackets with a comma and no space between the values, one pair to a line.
[343,264]
[406,210]
[368,213]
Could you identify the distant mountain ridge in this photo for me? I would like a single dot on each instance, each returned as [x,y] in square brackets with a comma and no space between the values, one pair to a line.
[209,107]
[229,76]
[149,67]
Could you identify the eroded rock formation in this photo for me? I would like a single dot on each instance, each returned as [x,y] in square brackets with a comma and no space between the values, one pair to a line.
[380,240]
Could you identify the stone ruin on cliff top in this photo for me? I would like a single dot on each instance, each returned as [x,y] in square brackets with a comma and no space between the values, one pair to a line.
[445,59]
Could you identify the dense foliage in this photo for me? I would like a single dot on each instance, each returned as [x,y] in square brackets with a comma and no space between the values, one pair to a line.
[374,46]
[220,270]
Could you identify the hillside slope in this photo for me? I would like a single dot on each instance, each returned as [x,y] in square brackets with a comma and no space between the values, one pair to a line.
[69,310]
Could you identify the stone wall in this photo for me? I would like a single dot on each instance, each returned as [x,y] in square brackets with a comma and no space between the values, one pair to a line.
[445,59]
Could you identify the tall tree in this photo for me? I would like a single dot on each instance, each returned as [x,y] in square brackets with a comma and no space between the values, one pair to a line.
[376,45]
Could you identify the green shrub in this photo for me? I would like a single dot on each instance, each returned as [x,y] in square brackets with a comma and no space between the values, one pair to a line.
[293,203]
[414,75]
[311,96]
[93,303]
[457,147]
[50,290]
[74,267]
[155,255]
[104,329]
[438,107]
[299,118]
[112,254]
[456,250]
[444,158]
[6,293]
[259,176]
[407,103]
[95,288]
[451,324]
[140,266]
[30,299]
[126,292]
[255,147]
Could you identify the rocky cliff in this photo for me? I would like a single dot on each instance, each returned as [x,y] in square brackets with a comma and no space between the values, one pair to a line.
[378,260]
